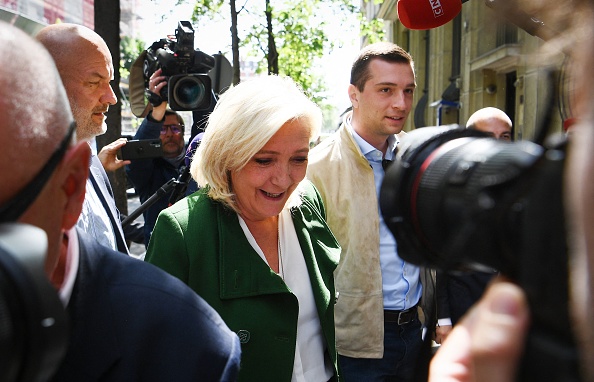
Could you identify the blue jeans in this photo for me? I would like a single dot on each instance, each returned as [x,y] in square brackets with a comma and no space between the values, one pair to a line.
[402,345]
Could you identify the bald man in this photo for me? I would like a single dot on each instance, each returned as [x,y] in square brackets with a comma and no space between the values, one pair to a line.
[85,66]
[492,121]
[129,321]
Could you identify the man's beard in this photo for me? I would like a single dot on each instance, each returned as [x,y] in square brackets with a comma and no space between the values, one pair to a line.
[170,153]
[86,127]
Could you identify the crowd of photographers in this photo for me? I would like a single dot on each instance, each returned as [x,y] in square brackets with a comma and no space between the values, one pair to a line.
[265,273]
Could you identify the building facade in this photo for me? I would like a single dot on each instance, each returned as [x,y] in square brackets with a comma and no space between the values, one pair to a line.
[478,60]
[32,15]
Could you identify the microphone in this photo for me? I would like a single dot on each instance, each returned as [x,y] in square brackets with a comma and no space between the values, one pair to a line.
[427,14]
[181,184]
[192,148]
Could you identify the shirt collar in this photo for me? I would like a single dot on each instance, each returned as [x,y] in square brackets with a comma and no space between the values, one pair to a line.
[367,148]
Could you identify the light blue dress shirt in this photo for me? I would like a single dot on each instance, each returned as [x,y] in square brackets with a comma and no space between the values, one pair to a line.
[400,280]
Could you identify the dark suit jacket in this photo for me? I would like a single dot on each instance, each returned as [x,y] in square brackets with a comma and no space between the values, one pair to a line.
[456,293]
[133,322]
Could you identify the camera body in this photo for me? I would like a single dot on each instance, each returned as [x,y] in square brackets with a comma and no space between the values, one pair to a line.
[188,85]
[457,200]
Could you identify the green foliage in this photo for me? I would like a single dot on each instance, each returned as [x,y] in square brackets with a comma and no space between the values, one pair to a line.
[303,32]
[371,30]
[299,33]
[206,8]
[130,49]
[301,40]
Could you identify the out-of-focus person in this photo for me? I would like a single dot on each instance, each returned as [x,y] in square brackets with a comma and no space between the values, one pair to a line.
[129,321]
[492,121]
[253,240]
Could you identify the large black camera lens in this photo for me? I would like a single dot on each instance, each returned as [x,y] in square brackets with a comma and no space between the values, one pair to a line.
[453,197]
[189,92]
[456,201]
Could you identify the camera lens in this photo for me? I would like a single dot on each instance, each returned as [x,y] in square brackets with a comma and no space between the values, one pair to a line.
[449,198]
[190,92]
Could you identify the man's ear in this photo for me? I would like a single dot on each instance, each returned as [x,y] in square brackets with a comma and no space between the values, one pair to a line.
[353,96]
[76,164]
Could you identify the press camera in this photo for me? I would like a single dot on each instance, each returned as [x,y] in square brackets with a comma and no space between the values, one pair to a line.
[456,200]
[188,86]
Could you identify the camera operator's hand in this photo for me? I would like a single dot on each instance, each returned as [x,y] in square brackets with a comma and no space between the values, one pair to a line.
[108,155]
[487,344]
[156,83]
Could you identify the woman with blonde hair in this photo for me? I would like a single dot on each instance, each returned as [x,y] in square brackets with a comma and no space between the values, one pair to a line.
[253,241]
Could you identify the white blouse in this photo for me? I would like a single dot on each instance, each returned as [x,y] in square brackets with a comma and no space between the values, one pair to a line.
[310,364]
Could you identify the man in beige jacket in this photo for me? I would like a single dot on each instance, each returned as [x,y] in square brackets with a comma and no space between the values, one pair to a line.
[378,332]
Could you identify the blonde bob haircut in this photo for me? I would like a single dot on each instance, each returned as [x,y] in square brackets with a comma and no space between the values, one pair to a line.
[243,121]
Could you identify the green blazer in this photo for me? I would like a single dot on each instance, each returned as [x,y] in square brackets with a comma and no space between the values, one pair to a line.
[201,242]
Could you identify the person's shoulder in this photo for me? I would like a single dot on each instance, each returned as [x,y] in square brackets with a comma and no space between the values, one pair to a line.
[325,146]
[198,205]
[144,289]
[134,278]
[138,299]
[181,209]
[308,190]
[162,292]
[310,195]
[320,157]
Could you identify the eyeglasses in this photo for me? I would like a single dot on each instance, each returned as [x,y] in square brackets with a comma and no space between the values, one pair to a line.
[15,207]
[175,129]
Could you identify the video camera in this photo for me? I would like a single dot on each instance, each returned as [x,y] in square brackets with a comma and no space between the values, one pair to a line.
[188,86]
[457,200]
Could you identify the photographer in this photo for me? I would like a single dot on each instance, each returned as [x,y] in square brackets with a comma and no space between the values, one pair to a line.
[148,175]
